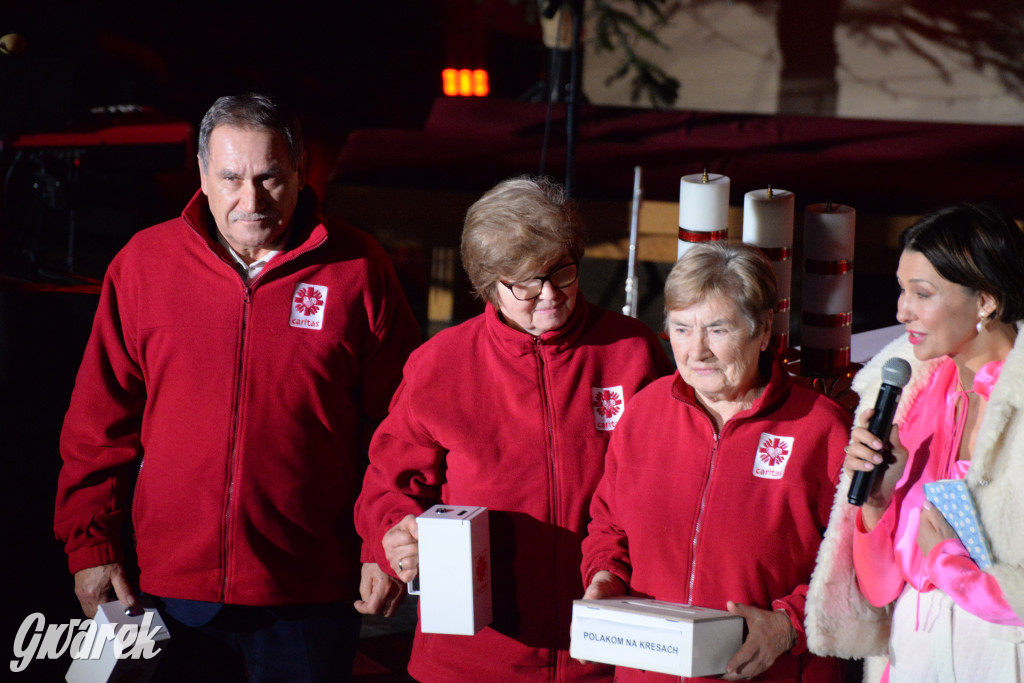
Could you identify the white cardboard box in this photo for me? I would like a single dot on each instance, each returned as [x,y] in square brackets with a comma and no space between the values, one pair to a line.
[654,635]
[122,649]
[455,569]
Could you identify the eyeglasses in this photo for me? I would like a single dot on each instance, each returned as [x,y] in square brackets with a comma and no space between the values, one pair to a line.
[560,277]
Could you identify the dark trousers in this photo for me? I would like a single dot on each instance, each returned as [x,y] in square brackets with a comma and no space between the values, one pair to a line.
[293,644]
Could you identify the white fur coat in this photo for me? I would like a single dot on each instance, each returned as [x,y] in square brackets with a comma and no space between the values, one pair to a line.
[840,622]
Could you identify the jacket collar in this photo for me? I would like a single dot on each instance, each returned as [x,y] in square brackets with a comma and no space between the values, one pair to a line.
[307,228]
[517,343]
[779,383]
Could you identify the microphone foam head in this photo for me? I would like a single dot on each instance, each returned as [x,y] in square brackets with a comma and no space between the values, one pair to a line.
[896,371]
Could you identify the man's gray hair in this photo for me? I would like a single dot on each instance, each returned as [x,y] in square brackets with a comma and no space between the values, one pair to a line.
[254,111]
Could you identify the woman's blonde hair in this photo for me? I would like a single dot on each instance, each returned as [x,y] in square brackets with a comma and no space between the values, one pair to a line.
[515,229]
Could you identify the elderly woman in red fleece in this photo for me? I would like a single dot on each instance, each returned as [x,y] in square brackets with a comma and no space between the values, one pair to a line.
[719,479]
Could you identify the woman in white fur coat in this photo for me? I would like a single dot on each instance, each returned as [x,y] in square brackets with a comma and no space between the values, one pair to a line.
[892,582]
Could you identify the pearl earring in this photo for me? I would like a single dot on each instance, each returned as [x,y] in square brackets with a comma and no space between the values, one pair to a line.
[977,326]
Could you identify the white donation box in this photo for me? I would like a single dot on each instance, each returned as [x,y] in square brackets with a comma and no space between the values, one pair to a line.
[455,569]
[118,648]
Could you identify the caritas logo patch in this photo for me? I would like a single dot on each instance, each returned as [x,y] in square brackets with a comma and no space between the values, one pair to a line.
[772,455]
[308,303]
[607,403]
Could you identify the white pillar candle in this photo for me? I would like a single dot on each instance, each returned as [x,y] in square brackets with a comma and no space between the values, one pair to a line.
[768,224]
[827,306]
[768,218]
[703,209]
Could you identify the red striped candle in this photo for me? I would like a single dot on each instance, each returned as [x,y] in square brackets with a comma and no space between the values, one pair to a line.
[768,224]
[827,305]
[703,209]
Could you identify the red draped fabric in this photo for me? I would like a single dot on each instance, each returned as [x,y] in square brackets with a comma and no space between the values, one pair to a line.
[896,167]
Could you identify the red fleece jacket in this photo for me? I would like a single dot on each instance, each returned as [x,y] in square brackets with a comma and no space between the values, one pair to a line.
[687,515]
[241,409]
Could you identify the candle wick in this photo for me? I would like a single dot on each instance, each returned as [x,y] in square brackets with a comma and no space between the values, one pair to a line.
[770,194]
[828,207]
[704,178]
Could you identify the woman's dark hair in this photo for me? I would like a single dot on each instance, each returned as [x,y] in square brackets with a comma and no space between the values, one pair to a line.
[977,246]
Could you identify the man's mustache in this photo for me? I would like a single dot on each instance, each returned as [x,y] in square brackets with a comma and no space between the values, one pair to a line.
[243,216]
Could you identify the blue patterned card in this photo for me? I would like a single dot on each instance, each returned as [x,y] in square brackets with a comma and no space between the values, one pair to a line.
[954,501]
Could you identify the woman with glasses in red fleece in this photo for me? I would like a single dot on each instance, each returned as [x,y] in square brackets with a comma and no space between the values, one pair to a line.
[511,410]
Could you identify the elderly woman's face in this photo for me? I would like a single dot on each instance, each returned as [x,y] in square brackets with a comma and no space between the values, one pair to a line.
[548,311]
[713,349]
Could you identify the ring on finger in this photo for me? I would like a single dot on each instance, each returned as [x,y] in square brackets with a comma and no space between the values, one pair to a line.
[400,566]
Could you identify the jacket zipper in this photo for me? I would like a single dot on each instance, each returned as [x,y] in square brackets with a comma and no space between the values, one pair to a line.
[236,428]
[236,423]
[548,427]
[700,519]
[716,439]
[549,431]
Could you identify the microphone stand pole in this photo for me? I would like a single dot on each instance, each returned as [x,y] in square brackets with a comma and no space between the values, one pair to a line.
[632,284]
[576,9]
[574,96]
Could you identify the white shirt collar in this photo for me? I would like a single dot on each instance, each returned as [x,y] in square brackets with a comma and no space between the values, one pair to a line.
[250,270]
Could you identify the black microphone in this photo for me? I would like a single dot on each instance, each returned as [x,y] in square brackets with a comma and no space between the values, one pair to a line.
[895,375]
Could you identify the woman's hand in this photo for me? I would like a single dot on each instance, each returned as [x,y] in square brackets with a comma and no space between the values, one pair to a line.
[933,529]
[769,634]
[379,592]
[402,548]
[604,585]
[865,453]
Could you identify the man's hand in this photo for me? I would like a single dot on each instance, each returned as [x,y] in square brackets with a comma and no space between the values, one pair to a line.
[380,593]
[97,585]
[769,634]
